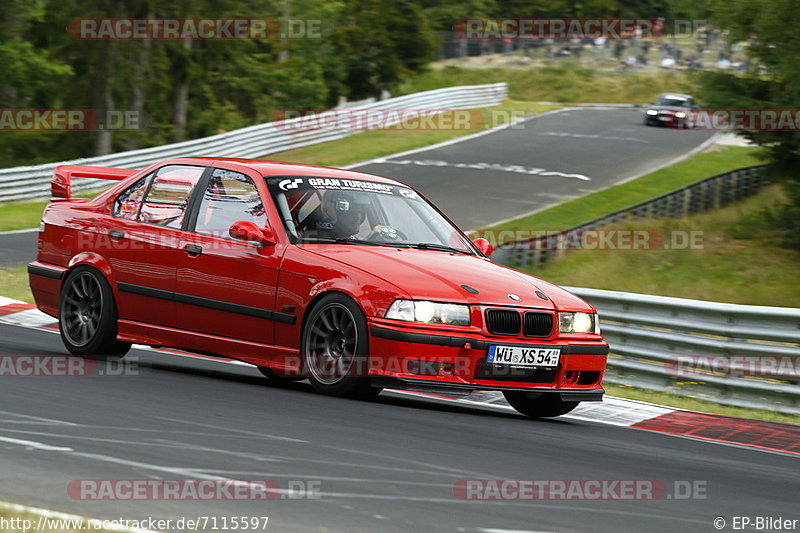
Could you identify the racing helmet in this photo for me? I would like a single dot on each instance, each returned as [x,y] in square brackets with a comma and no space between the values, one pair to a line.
[338,205]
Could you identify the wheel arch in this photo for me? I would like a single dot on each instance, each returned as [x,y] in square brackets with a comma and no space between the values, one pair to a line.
[98,263]
[95,260]
[318,297]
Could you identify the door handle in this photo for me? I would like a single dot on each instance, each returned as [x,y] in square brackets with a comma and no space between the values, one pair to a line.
[116,234]
[193,249]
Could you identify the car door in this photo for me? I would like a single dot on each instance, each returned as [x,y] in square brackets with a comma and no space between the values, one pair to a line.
[144,242]
[227,287]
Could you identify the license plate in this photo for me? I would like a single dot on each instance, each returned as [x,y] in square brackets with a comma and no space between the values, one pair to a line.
[523,355]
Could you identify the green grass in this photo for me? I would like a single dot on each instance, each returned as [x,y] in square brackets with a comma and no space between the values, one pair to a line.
[377,143]
[575,212]
[739,259]
[560,83]
[20,215]
[693,404]
[14,284]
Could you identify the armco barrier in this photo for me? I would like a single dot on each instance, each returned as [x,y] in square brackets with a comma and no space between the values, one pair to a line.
[710,193]
[34,181]
[649,334]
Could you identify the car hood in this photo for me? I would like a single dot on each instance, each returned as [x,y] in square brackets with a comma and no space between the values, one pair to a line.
[440,276]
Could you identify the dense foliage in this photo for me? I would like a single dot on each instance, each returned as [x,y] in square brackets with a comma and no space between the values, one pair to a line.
[191,88]
[771,82]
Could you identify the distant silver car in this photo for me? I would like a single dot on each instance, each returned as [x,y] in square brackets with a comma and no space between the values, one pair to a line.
[671,110]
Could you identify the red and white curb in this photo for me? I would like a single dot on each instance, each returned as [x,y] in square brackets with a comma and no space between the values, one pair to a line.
[757,434]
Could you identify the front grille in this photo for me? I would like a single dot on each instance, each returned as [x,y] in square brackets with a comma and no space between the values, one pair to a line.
[503,321]
[538,324]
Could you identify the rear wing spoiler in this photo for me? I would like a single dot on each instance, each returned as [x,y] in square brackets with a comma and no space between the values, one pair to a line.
[61,186]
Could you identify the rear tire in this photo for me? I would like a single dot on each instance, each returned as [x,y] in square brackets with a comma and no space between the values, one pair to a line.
[335,345]
[539,405]
[87,318]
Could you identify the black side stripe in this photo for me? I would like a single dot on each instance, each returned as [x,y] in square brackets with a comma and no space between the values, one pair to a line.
[425,338]
[43,271]
[207,302]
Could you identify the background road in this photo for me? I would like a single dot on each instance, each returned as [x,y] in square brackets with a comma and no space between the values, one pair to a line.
[554,152]
[526,168]
[383,466]
[17,249]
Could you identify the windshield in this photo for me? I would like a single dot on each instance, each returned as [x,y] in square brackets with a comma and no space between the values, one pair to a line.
[320,210]
[674,102]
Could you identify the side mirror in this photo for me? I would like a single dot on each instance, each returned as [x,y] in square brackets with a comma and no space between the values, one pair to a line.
[484,246]
[245,230]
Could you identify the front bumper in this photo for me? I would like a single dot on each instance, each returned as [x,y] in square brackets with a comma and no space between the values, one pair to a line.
[439,361]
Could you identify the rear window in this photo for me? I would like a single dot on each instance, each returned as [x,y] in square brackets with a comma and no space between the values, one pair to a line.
[161,197]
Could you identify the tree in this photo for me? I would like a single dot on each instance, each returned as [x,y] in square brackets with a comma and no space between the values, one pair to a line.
[770,26]
[379,41]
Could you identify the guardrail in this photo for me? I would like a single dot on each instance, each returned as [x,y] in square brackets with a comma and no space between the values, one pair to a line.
[34,181]
[669,344]
[709,193]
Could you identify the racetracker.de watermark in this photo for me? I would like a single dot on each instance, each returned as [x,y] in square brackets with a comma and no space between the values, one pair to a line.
[375,119]
[579,490]
[192,489]
[768,366]
[161,29]
[606,239]
[76,523]
[557,28]
[731,119]
[68,120]
[72,366]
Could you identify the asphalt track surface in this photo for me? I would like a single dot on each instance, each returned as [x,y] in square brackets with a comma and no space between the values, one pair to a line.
[388,465]
[17,249]
[523,169]
[539,162]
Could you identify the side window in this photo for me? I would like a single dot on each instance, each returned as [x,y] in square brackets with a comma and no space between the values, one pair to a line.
[229,197]
[127,204]
[168,197]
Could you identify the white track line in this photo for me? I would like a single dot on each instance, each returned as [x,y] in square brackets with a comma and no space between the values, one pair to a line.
[35,445]
[16,231]
[711,140]
[454,141]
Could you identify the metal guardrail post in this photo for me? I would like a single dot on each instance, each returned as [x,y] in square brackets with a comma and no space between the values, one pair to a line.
[648,335]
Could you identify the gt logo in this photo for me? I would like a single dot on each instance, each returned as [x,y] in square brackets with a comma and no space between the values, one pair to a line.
[408,193]
[285,185]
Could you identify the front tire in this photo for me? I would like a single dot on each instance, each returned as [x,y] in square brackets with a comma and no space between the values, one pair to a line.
[335,345]
[539,405]
[87,318]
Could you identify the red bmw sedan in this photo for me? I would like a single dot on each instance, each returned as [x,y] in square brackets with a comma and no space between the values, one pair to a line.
[353,281]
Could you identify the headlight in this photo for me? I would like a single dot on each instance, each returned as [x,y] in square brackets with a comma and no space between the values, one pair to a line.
[578,323]
[652,112]
[429,312]
[680,114]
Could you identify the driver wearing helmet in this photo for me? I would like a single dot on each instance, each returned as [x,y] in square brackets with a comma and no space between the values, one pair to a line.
[341,215]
